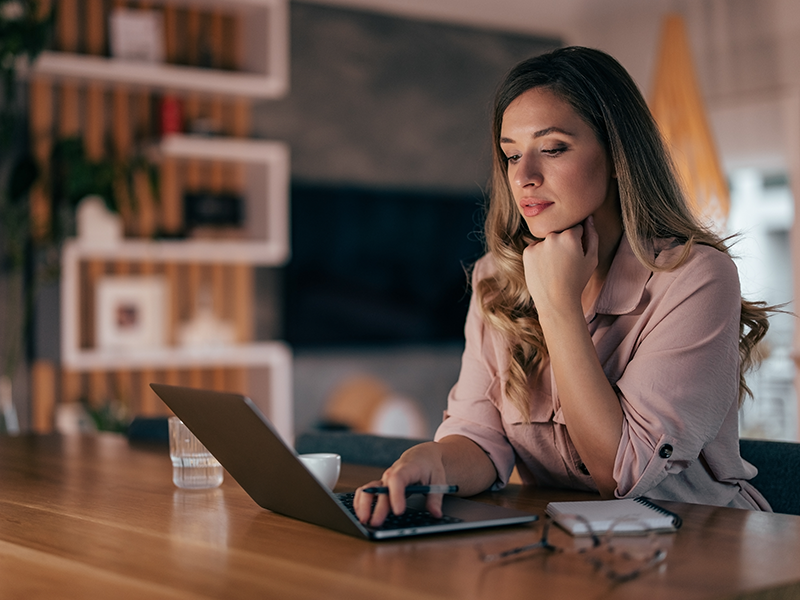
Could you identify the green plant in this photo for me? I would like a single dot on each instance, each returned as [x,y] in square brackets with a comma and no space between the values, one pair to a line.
[23,35]
[24,32]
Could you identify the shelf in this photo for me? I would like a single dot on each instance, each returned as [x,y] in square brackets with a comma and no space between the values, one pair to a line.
[239,355]
[265,49]
[267,209]
[274,391]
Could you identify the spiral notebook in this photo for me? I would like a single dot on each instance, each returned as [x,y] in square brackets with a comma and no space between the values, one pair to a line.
[628,516]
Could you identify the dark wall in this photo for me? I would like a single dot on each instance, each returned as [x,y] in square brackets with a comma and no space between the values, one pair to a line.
[388,102]
[388,124]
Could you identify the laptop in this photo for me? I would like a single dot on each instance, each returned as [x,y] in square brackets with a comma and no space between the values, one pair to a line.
[241,438]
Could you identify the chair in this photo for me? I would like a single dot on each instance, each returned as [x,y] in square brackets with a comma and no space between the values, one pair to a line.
[357,448]
[778,478]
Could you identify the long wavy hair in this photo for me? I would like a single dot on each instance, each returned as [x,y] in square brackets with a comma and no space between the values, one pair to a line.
[652,203]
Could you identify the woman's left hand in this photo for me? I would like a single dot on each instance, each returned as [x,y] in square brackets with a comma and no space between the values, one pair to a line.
[558,268]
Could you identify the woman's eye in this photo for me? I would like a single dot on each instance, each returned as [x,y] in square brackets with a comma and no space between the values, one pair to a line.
[513,158]
[554,151]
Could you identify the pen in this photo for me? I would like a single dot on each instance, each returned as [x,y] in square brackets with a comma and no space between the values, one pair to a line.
[416,489]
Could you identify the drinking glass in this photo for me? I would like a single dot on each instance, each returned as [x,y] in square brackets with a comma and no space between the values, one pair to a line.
[193,466]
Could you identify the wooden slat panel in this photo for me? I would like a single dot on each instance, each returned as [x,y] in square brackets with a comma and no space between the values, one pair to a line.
[241,117]
[41,128]
[91,272]
[217,39]
[231,47]
[121,123]
[243,302]
[43,395]
[145,205]
[121,142]
[192,39]
[94,127]
[67,25]
[171,217]
[69,113]
[95,27]
[171,47]
[71,386]
[98,391]
[122,390]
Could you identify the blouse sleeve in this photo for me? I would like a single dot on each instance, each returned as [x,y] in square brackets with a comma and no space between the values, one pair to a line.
[683,378]
[471,409]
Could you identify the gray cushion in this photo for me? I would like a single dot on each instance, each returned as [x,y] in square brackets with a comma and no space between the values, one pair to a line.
[778,478]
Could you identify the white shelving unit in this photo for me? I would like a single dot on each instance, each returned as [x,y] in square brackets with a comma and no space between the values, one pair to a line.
[265,238]
[265,48]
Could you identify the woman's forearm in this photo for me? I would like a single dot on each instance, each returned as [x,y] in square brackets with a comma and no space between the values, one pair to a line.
[590,405]
[466,465]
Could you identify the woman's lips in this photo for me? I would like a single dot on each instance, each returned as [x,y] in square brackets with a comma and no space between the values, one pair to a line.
[531,207]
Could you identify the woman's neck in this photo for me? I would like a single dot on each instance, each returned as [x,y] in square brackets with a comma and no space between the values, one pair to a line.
[609,233]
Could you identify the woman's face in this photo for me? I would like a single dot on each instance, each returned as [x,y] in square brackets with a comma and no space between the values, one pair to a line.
[558,171]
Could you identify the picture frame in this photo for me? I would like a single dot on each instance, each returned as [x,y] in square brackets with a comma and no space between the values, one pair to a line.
[130,312]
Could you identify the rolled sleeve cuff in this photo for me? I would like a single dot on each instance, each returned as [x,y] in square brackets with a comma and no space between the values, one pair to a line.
[640,467]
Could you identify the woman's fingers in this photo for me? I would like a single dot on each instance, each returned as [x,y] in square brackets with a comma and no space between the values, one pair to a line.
[434,504]
[362,502]
[421,464]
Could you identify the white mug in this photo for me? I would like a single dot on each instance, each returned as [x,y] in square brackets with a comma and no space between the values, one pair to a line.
[324,466]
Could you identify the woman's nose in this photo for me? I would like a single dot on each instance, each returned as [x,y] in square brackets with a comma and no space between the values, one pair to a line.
[528,172]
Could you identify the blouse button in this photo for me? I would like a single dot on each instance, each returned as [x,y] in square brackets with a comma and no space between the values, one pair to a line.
[582,468]
[665,451]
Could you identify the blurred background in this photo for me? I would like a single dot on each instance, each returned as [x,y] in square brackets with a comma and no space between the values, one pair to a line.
[283,198]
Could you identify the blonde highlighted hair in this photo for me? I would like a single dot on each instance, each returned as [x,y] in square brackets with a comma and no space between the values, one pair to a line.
[652,203]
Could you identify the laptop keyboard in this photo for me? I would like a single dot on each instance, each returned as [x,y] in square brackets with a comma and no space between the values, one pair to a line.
[411,518]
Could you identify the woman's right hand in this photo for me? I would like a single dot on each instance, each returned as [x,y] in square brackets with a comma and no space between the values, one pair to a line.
[422,464]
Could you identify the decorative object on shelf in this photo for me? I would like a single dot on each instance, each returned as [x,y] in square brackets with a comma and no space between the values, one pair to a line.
[96,225]
[131,312]
[171,114]
[205,330]
[137,34]
[208,209]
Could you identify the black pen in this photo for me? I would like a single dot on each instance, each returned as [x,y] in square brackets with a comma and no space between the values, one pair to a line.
[416,489]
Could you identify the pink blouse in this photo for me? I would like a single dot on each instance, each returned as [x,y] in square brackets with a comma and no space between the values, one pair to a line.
[668,343]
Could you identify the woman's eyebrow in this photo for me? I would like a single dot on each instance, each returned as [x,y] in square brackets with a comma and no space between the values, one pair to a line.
[540,133]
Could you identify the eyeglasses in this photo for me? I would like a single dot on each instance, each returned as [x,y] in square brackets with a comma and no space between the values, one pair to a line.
[621,557]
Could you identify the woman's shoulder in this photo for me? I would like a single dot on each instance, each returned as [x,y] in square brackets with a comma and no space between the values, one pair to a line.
[669,251]
[702,264]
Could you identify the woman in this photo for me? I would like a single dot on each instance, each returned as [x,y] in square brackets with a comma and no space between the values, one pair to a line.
[607,338]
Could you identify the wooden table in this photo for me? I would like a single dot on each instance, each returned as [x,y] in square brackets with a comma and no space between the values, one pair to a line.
[97,517]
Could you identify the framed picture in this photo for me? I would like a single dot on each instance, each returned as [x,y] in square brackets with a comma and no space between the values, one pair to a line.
[130,312]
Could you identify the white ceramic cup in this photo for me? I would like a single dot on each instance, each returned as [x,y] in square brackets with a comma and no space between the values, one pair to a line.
[324,466]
